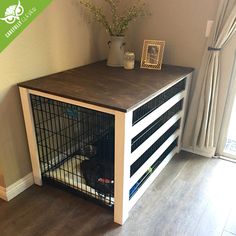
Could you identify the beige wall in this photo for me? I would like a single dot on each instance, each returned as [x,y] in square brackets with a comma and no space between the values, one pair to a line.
[60,38]
[2,182]
[181,24]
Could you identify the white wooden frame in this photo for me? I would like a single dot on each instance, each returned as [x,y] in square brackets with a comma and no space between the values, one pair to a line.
[227,115]
[124,132]
[29,125]
[185,106]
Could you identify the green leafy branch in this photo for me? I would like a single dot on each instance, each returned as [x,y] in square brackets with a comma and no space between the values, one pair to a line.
[119,23]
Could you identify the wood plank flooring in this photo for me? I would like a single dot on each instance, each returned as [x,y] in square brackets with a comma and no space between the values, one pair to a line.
[192,196]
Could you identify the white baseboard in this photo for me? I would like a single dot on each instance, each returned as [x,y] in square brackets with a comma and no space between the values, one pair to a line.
[198,152]
[18,187]
[3,193]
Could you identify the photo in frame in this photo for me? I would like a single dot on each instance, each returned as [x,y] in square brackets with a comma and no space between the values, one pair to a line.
[152,54]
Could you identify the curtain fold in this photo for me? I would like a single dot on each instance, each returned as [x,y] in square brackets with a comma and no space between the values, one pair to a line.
[199,132]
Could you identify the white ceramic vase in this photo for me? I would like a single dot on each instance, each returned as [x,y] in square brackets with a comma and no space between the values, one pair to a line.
[116,51]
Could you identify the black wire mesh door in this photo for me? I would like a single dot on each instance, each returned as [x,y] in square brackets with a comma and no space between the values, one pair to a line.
[76,148]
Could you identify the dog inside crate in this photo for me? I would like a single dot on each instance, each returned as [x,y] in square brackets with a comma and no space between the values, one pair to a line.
[76,147]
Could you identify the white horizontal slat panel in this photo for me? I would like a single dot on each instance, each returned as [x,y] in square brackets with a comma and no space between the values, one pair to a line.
[139,173]
[145,122]
[151,178]
[159,92]
[154,137]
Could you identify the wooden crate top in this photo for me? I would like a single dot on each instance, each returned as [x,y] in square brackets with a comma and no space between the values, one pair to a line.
[114,88]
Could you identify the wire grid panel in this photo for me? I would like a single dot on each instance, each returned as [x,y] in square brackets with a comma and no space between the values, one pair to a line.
[76,147]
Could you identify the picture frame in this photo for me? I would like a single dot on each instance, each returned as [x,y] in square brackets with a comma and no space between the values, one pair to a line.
[152,54]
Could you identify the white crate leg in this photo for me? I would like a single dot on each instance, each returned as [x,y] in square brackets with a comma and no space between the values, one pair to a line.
[123,123]
[29,125]
[184,109]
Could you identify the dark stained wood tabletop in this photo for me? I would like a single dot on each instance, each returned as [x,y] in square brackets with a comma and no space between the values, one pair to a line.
[109,87]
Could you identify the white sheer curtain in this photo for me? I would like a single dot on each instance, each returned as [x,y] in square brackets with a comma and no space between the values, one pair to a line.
[200,133]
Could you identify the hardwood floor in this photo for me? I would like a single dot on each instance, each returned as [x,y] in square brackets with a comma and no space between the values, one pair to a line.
[192,196]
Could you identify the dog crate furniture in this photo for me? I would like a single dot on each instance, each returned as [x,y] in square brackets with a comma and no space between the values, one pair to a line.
[104,132]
